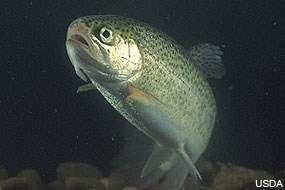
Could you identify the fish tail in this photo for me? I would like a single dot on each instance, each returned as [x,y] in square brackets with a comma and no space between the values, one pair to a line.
[176,175]
[164,163]
[159,155]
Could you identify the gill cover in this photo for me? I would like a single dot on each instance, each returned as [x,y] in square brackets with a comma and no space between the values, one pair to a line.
[120,55]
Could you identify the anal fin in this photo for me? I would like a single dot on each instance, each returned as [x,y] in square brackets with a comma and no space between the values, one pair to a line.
[192,168]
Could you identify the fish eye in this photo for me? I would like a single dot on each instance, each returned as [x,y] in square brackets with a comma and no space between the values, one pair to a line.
[106,35]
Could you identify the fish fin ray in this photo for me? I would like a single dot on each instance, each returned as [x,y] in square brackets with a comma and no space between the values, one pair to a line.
[176,175]
[192,169]
[151,178]
[86,87]
[135,94]
[172,172]
[208,59]
[159,155]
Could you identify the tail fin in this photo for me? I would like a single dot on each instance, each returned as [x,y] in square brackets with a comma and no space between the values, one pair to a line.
[176,175]
[165,165]
[173,171]
[159,155]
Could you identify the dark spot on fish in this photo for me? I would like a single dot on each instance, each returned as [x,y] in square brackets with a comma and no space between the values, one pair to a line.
[96,31]
[88,24]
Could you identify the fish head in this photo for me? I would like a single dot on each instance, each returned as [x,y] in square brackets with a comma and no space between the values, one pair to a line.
[101,48]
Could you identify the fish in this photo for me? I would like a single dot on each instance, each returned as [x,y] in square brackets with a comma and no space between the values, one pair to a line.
[155,83]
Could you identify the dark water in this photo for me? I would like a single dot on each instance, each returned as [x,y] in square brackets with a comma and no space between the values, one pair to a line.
[44,122]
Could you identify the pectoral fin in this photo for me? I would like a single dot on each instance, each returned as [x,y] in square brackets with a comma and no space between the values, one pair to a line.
[86,87]
[137,95]
[151,111]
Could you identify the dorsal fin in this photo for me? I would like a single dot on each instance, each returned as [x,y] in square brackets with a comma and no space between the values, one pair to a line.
[208,59]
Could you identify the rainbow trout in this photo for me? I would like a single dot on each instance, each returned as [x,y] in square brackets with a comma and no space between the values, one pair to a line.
[153,82]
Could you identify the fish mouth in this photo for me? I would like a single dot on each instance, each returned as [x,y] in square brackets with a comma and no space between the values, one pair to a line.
[87,59]
[79,38]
